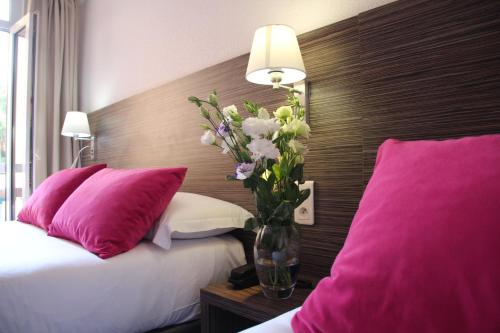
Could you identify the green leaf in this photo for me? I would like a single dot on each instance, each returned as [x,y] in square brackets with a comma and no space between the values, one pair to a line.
[269,164]
[292,192]
[264,187]
[297,173]
[251,107]
[245,156]
[277,171]
[271,180]
[230,177]
[282,213]
[249,183]
[263,207]
[251,224]
[304,194]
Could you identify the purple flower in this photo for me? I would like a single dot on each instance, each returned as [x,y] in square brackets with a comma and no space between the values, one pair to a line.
[222,131]
[244,170]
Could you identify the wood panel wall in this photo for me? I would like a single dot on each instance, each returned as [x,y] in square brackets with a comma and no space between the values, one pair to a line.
[413,69]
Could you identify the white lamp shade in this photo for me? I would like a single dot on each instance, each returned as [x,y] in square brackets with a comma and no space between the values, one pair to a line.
[76,124]
[275,48]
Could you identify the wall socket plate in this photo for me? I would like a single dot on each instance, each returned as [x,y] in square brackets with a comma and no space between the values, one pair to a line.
[304,214]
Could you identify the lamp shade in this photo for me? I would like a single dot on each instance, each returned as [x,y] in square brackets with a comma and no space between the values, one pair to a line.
[76,124]
[275,49]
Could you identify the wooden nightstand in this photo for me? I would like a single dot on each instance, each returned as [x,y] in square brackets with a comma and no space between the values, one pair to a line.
[224,310]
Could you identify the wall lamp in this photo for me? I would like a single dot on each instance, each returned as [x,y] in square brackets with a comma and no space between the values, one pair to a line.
[76,126]
[275,59]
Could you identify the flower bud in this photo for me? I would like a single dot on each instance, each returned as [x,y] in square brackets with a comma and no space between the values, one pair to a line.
[204,113]
[263,114]
[283,112]
[195,100]
[212,99]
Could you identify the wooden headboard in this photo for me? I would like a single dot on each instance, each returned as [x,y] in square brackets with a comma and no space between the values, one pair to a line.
[422,69]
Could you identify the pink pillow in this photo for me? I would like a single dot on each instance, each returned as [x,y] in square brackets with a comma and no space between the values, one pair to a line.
[112,210]
[422,254]
[43,204]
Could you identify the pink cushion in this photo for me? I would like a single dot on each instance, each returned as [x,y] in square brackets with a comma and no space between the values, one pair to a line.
[422,254]
[112,210]
[43,204]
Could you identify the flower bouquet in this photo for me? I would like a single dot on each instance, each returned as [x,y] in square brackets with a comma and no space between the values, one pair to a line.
[269,159]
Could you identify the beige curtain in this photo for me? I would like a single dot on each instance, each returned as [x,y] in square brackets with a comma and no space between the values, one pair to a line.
[56,83]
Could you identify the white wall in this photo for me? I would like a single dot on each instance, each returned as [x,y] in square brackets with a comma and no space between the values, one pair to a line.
[128,46]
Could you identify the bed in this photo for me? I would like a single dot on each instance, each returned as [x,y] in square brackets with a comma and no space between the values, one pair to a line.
[53,285]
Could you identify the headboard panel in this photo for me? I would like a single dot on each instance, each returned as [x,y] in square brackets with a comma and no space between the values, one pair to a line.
[410,70]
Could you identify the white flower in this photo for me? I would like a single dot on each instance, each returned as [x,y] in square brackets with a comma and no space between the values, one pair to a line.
[208,138]
[263,148]
[256,128]
[298,127]
[263,114]
[297,147]
[230,111]
[283,112]
[244,170]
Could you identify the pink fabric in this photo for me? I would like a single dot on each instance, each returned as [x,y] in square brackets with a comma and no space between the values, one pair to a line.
[112,210]
[422,254]
[43,204]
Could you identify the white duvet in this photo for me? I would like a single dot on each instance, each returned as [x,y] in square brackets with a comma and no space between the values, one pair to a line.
[52,285]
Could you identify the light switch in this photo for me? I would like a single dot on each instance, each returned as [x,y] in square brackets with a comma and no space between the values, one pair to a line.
[304,214]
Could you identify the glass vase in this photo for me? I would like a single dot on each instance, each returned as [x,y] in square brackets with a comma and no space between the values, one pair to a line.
[276,255]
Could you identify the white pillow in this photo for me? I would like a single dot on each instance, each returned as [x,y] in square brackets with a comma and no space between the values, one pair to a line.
[191,215]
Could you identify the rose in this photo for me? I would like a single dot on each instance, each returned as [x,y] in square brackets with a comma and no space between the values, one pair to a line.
[208,138]
[244,170]
[263,148]
[256,128]
[297,127]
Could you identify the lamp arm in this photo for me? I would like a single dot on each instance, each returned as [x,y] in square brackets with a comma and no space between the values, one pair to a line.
[291,89]
[77,158]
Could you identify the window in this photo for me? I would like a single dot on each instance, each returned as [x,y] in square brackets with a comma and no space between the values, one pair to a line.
[5,10]
[21,121]
[4,82]
[16,72]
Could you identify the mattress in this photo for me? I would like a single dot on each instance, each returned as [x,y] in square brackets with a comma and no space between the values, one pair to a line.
[52,285]
[280,324]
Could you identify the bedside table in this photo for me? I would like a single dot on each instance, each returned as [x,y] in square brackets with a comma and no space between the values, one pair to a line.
[225,310]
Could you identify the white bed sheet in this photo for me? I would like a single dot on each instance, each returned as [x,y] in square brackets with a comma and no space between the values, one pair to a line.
[280,324]
[52,285]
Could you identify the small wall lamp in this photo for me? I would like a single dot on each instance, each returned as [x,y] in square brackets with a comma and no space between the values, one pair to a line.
[275,59]
[76,125]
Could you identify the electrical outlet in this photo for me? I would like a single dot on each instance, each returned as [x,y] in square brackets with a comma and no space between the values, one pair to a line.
[304,214]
